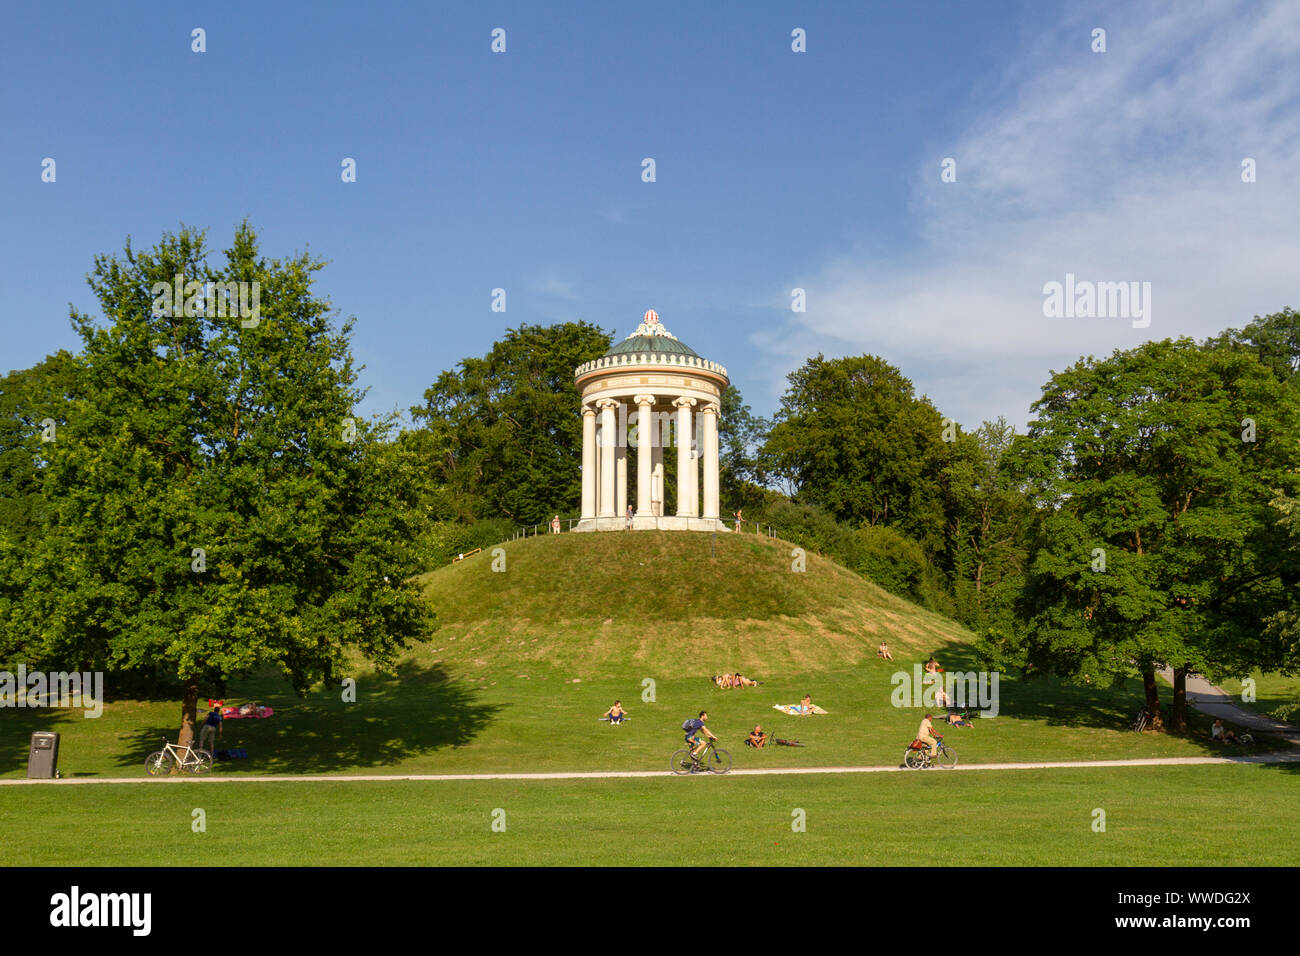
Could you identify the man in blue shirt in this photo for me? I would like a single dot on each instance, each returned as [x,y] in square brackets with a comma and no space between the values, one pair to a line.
[211,726]
[693,728]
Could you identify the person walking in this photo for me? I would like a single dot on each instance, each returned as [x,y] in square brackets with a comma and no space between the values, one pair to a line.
[211,727]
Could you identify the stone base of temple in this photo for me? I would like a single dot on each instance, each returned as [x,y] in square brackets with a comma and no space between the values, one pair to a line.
[651,523]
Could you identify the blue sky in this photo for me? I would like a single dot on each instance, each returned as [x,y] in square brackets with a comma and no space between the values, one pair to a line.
[775,170]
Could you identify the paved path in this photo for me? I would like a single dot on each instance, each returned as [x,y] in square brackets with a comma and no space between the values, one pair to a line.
[1292,756]
[1216,702]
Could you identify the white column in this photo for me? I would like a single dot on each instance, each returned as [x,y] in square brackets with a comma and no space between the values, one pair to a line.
[607,442]
[657,473]
[588,462]
[646,439]
[709,449]
[620,463]
[685,464]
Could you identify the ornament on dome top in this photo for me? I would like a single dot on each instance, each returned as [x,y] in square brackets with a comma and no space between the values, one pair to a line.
[650,325]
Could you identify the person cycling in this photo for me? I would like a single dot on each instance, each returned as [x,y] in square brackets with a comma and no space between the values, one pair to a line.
[926,735]
[693,728]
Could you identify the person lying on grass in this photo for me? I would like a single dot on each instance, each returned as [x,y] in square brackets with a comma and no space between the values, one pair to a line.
[959,720]
[615,713]
[757,738]
[733,680]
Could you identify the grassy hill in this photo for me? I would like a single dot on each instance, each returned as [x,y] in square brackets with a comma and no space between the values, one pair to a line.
[679,604]
[524,661]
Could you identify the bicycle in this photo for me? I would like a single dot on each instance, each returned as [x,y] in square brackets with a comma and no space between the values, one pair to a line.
[917,756]
[711,759]
[1142,720]
[175,757]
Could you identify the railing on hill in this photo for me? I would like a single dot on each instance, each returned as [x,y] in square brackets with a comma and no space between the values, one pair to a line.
[566,524]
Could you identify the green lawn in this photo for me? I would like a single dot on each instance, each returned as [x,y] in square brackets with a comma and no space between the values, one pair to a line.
[525,661]
[1204,815]
[426,719]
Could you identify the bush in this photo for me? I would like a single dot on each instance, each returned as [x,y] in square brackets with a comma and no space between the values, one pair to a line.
[446,539]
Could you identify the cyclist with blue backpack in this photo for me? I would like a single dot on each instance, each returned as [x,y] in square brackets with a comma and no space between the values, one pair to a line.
[693,728]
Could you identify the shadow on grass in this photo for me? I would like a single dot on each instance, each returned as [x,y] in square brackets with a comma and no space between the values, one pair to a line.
[417,710]
[19,723]
[1059,704]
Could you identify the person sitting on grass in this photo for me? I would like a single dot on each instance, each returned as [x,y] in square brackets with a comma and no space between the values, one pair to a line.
[615,713]
[883,651]
[806,705]
[932,666]
[757,738]
[1222,734]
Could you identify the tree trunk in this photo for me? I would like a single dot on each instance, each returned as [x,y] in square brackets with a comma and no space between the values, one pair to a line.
[189,713]
[1178,715]
[1153,697]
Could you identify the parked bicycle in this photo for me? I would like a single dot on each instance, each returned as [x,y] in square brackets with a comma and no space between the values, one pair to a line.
[917,755]
[175,757]
[1142,720]
[711,760]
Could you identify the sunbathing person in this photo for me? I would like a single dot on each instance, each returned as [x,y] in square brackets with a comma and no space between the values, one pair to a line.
[742,681]
[932,666]
[883,651]
[959,720]
[757,738]
[806,705]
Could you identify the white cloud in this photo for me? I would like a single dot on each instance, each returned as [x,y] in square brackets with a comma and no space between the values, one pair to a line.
[1116,166]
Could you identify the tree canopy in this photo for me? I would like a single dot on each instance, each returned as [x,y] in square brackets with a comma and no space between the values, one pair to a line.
[1153,470]
[211,503]
[503,433]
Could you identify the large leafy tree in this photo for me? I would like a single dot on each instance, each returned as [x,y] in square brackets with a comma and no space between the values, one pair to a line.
[1154,469]
[212,503]
[33,407]
[852,437]
[503,433]
[1275,340]
[741,434]
[987,515]
[1284,626]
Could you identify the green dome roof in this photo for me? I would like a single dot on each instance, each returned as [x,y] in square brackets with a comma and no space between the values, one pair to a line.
[651,336]
[651,343]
